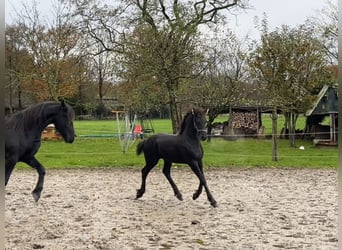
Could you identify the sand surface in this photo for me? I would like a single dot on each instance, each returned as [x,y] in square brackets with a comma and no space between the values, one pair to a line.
[96,209]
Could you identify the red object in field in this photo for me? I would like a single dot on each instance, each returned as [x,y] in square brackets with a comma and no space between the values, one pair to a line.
[138,130]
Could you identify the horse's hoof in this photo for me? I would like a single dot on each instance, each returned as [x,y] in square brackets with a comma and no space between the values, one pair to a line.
[139,194]
[179,197]
[36,196]
[195,196]
[213,204]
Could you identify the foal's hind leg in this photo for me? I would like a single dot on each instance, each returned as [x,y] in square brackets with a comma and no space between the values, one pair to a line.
[166,171]
[144,172]
[196,169]
[33,162]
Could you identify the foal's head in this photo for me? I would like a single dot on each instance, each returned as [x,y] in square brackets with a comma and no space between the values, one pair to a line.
[200,122]
[63,122]
[195,120]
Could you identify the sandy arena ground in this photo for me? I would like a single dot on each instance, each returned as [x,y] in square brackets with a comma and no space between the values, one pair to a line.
[96,209]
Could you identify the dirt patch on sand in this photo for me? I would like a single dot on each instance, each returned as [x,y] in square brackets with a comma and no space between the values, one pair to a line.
[96,209]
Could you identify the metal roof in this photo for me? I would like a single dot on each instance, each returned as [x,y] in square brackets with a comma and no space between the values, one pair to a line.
[326,102]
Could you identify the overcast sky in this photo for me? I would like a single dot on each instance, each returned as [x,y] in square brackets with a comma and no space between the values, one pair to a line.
[290,12]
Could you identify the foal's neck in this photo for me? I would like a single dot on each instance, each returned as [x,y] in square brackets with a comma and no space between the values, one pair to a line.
[189,129]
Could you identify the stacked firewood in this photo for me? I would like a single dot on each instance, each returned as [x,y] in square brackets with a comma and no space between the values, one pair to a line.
[245,123]
[50,133]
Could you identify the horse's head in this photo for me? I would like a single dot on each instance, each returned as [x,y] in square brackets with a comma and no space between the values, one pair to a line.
[200,123]
[64,122]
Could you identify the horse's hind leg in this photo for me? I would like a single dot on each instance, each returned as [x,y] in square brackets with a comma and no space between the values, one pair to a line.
[144,172]
[196,169]
[166,171]
[33,162]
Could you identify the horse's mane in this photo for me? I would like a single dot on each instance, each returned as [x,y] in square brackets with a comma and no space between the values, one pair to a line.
[30,117]
[190,112]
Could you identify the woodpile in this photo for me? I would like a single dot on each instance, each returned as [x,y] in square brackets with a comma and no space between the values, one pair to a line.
[245,123]
[50,133]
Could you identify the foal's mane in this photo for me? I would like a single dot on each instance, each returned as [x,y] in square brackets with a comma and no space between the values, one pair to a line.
[193,111]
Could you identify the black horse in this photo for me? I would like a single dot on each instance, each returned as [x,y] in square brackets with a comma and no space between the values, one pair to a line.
[23,136]
[184,147]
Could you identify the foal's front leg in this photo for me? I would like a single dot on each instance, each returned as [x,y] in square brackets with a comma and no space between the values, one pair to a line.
[196,169]
[200,187]
[33,162]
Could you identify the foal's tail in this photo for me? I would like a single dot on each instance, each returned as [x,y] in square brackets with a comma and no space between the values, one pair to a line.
[140,147]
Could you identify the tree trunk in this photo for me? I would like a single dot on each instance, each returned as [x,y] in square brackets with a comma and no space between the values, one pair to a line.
[211,119]
[292,128]
[175,116]
[20,104]
[100,86]
[286,130]
[274,117]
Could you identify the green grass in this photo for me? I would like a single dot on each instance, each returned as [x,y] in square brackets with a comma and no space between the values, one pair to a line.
[110,127]
[106,151]
[258,153]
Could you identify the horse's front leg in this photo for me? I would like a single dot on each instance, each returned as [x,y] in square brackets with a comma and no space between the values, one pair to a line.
[200,187]
[166,171]
[9,166]
[196,169]
[33,162]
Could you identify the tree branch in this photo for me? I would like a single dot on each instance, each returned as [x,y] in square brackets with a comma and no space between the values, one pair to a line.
[145,14]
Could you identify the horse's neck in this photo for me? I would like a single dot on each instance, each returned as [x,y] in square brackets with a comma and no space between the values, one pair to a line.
[188,130]
[48,113]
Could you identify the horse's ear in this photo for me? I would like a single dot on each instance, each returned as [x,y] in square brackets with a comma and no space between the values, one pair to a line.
[63,106]
[207,112]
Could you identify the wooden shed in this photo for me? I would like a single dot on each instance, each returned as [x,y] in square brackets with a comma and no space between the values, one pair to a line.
[244,121]
[325,106]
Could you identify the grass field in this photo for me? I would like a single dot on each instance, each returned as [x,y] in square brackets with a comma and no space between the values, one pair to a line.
[97,146]
[110,127]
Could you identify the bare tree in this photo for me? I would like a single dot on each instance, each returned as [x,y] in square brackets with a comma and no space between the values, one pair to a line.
[326,25]
[52,43]
[222,83]
[17,61]
[173,29]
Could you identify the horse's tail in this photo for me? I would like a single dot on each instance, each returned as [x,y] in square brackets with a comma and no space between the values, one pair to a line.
[140,147]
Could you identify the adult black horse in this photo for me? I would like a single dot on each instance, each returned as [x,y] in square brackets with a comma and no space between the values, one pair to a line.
[23,136]
[185,147]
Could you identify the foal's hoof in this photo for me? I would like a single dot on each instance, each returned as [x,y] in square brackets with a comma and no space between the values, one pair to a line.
[139,194]
[195,195]
[213,204]
[179,196]
[36,196]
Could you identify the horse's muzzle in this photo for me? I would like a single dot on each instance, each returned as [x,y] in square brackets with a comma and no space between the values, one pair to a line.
[202,135]
[69,138]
